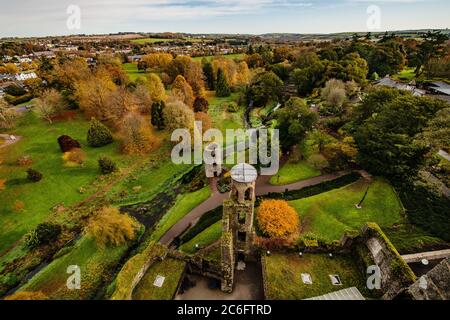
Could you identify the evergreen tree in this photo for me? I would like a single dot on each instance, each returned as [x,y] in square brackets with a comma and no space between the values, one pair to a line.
[222,87]
[209,75]
[158,115]
[98,134]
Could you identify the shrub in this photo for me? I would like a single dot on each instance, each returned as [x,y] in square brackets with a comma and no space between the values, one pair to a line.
[66,143]
[45,233]
[2,184]
[98,134]
[233,107]
[201,104]
[24,161]
[34,175]
[106,165]
[277,219]
[74,157]
[18,206]
[109,227]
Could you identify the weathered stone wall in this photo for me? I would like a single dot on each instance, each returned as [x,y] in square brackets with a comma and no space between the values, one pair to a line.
[376,248]
[435,285]
[227,263]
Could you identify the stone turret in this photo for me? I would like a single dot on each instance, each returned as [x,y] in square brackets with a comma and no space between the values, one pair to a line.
[213,167]
[237,226]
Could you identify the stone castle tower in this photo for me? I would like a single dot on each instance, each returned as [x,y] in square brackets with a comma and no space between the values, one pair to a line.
[237,222]
[214,167]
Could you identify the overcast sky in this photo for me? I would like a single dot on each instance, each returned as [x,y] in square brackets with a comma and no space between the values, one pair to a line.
[45,17]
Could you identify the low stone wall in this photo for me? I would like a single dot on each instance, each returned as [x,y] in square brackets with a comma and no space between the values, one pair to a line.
[374,248]
[135,268]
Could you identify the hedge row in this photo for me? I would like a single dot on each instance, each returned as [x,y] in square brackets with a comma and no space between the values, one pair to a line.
[315,189]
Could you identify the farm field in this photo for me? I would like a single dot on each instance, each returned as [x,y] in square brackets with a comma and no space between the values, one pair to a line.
[226,56]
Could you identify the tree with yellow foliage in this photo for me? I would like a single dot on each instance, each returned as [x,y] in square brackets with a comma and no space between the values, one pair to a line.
[156,61]
[109,227]
[136,135]
[277,219]
[183,91]
[156,88]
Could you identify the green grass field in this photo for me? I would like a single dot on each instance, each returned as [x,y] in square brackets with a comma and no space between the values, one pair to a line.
[329,215]
[292,172]
[284,282]
[60,184]
[183,205]
[204,238]
[169,268]
[155,40]
[96,265]
[226,56]
[132,70]
[406,75]
[221,118]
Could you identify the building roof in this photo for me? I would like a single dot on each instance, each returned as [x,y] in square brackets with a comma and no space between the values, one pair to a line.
[244,172]
[345,294]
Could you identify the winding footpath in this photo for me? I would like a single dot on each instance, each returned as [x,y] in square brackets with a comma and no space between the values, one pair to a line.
[262,188]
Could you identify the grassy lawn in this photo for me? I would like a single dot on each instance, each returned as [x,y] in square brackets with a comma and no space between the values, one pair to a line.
[132,70]
[60,184]
[226,56]
[149,181]
[221,118]
[96,265]
[204,238]
[408,238]
[330,214]
[183,205]
[405,75]
[169,268]
[292,172]
[284,282]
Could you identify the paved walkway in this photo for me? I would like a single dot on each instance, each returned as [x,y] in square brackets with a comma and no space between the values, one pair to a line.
[262,188]
[431,255]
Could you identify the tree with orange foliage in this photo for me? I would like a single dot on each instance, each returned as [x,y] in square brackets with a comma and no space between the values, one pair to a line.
[205,119]
[136,134]
[277,219]
[109,227]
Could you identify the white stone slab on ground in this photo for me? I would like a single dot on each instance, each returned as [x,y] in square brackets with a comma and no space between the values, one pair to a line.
[306,278]
[159,281]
